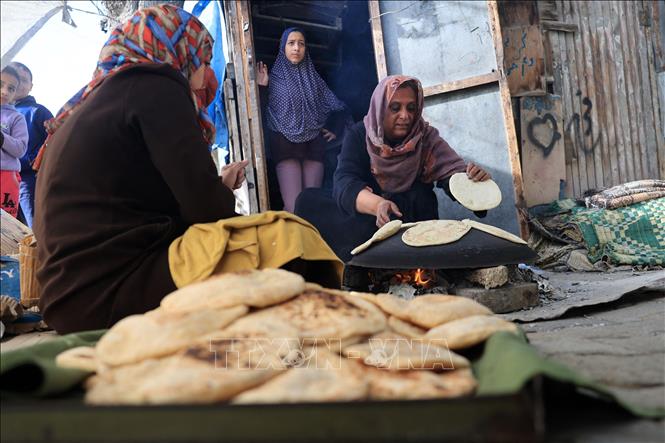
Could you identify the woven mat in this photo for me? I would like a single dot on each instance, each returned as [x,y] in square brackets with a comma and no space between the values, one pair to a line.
[632,235]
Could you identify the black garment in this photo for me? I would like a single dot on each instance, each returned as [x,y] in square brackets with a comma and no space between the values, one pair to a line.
[120,180]
[278,147]
[343,232]
[282,148]
[335,216]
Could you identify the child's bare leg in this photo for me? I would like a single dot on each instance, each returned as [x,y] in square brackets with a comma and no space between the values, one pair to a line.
[289,175]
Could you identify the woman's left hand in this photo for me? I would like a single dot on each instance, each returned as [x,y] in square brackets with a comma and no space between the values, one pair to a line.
[476,173]
[262,76]
[327,135]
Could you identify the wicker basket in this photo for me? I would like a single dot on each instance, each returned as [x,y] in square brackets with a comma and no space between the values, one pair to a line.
[27,257]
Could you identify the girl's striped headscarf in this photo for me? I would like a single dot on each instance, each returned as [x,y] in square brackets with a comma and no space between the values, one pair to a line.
[158,34]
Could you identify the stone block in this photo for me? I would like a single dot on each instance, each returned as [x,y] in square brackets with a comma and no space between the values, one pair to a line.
[489,277]
[509,298]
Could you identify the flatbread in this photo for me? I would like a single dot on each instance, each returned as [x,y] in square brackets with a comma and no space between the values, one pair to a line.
[251,287]
[202,373]
[431,310]
[413,385]
[476,196]
[392,351]
[493,230]
[83,358]
[139,337]
[323,314]
[384,232]
[324,377]
[469,331]
[405,328]
[435,232]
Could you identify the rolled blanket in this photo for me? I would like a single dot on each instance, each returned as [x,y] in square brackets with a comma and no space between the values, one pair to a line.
[626,194]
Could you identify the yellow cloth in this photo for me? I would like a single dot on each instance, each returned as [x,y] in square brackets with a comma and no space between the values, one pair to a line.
[266,240]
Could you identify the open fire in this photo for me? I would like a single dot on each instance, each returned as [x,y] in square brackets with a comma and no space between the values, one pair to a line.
[419,278]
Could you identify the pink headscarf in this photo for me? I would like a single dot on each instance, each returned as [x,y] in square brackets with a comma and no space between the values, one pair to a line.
[422,155]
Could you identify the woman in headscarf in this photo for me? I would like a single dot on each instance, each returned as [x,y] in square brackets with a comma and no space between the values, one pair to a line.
[387,169]
[129,205]
[298,117]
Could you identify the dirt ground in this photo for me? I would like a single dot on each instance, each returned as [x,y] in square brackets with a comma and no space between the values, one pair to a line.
[620,344]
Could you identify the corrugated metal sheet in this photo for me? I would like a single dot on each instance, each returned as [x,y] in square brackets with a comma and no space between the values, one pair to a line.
[606,75]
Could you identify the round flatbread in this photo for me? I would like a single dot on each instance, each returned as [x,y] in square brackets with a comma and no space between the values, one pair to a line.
[83,358]
[493,230]
[396,352]
[412,385]
[469,331]
[139,337]
[430,310]
[435,232]
[321,314]
[477,196]
[322,376]
[384,232]
[405,328]
[205,372]
[253,288]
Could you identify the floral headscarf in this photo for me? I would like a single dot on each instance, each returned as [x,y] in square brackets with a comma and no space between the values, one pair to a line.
[162,34]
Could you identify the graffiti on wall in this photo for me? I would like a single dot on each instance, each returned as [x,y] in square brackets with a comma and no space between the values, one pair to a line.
[578,130]
[583,128]
[541,122]
[523,60]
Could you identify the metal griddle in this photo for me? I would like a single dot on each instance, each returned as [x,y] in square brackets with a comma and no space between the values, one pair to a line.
[477,249]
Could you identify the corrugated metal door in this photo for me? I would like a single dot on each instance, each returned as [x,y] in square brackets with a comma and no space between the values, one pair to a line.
[606,75]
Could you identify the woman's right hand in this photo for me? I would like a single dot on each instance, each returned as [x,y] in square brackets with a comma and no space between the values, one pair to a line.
[262,77]
[383,211]
[233,174]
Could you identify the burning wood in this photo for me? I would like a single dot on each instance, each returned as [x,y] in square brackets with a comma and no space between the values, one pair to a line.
[420,278]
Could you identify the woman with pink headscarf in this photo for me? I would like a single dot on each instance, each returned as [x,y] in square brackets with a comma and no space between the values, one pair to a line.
[386,170]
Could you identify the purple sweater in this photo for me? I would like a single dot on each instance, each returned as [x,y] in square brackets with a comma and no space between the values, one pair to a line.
[15,138]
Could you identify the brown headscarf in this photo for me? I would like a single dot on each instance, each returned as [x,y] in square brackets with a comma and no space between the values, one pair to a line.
[422,155]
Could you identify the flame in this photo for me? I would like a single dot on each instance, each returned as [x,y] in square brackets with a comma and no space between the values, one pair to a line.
[419,277]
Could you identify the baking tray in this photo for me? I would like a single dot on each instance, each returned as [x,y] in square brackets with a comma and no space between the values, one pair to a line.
[508,418]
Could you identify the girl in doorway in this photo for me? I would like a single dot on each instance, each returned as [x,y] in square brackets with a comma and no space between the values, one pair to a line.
[298,115]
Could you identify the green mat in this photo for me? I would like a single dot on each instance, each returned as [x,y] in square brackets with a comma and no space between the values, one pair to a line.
[632,235]
[506,365]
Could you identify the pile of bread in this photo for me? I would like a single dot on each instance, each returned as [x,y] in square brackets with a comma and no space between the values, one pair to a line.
[269,337]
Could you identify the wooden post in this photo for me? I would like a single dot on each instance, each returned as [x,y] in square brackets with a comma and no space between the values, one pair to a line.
[234,25]
[511,137]
[252,102]
[377,39]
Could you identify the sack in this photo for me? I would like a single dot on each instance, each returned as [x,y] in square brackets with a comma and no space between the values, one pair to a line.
[27,256]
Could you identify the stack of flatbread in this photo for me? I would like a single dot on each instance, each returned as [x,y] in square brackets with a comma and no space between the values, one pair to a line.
[269,337]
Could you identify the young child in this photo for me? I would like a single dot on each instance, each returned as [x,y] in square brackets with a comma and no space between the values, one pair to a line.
[35,116]
[14,139]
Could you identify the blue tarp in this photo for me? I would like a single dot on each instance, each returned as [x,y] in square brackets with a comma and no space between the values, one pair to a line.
[216,109]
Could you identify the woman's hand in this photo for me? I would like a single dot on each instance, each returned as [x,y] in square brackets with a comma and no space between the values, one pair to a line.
[476,173]
[262,77]
[383,211]
[327,135]
[233,174]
